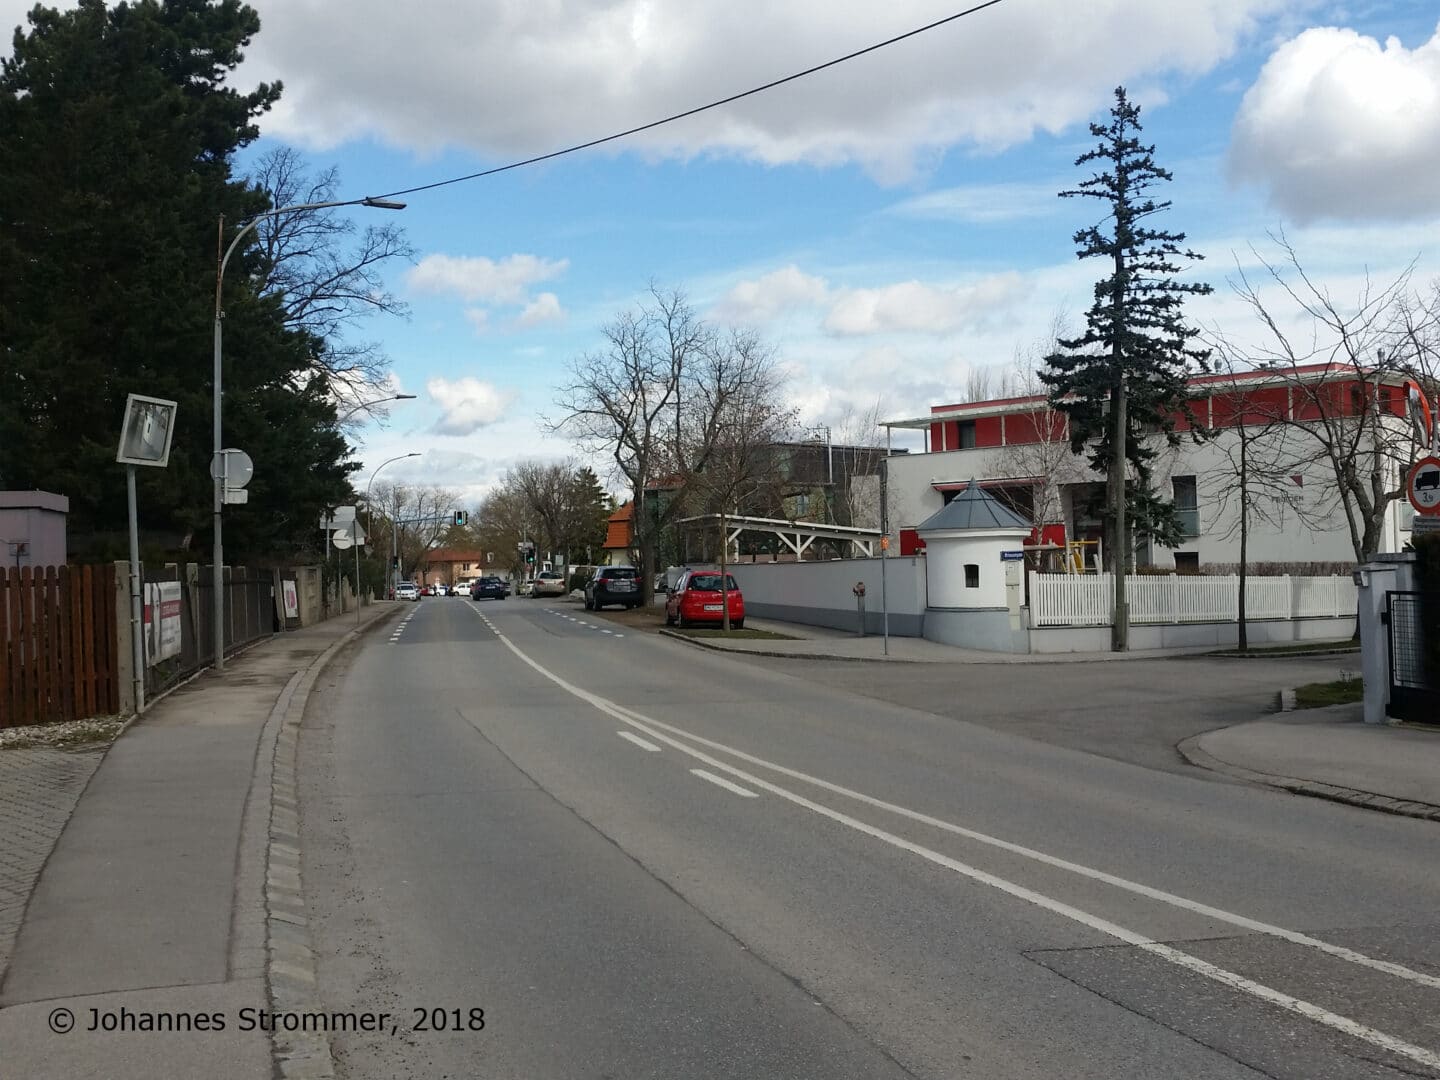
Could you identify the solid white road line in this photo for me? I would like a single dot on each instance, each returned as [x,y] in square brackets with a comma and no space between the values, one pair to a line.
[1219,914]
[726,784]
[1310,1011]
[638,741]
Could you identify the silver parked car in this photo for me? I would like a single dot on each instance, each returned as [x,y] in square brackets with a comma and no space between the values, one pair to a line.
[549,583]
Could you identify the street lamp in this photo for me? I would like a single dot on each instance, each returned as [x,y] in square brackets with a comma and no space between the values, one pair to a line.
[377,401]
[370,510]
[218,463]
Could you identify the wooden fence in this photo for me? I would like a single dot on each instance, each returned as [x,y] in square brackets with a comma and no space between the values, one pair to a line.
[58,633]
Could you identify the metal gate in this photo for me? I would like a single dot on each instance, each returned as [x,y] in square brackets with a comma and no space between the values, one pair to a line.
[1414,656]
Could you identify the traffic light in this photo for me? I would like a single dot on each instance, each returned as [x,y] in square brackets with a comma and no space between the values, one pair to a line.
[394,562]
[529,555]
[461,517]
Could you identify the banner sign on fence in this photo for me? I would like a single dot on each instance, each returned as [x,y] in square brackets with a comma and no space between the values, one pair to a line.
[291,599]
[162,620]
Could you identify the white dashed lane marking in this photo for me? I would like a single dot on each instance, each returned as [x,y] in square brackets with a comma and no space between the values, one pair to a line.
[579,622]
[400,629]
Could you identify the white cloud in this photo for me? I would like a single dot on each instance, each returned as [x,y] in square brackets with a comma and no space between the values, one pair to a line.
[505,85]
[922,308]
[1339,126]
[981,203]
[479,318]
[771,295]
[476,278]
[545,308]
[468,404]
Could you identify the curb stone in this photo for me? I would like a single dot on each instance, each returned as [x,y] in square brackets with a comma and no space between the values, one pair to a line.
[1262,654]
[290,967]
[716,647]
[1192,752]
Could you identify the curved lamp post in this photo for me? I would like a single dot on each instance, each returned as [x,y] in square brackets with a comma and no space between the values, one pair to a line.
[377,401]
[370,510]
[217,462]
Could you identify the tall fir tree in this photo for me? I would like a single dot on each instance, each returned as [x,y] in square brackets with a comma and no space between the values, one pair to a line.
[1124,381]
[119,135]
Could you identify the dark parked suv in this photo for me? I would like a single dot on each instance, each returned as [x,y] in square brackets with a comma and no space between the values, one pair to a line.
[613,585]
[489,587]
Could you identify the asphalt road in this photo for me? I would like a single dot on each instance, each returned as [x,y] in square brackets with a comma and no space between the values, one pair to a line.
[1131,710]
[644,860]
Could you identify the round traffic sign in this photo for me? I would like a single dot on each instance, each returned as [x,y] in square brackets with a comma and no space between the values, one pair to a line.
[1423,486]
[342,539]
[234,465]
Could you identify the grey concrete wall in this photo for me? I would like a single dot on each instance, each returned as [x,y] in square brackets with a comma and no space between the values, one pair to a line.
[987,629]
[1063,639]
[819,593]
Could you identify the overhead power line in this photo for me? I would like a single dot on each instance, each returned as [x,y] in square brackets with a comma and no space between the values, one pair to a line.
[698,109]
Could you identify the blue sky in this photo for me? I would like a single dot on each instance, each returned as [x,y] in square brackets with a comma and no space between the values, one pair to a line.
[889,226]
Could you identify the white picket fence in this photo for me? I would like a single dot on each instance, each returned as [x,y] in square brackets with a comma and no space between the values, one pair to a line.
[1086,599]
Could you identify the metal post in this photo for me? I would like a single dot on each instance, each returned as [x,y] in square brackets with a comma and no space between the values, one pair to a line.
[885,538]
[218,555]
[221,261]
[829,477]
[357,574]
[137,616]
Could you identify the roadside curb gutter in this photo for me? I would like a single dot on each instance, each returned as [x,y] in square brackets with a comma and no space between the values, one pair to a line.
[716,646]
[290,966]
[1192,752]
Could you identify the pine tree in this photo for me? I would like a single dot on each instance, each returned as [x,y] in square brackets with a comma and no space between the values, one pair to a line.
[120,130]
[1126,376]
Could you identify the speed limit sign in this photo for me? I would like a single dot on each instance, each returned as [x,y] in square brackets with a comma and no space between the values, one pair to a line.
[1423,486]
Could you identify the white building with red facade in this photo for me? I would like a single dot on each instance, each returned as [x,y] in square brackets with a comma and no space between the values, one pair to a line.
[1019,450]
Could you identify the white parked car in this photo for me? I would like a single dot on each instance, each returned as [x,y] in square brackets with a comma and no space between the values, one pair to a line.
[440,589]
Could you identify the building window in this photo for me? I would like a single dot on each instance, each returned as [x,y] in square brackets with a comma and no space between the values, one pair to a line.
[1187,562]
[465,566]
[967,435]
[1187,505]
[972,575]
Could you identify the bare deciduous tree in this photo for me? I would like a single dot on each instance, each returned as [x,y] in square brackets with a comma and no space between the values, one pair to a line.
[1385,333]
[410,519]
[1258,480]
[1038,442]
[327,278]
[750,421]
[654,400]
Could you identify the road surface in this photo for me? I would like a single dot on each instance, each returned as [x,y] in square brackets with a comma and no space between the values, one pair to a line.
[645,860]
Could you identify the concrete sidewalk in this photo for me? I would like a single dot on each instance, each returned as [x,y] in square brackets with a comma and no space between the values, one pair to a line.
[1331,754]
[824,643]
[154,898]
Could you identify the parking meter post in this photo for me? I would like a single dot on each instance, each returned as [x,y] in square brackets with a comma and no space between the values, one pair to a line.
[859,591]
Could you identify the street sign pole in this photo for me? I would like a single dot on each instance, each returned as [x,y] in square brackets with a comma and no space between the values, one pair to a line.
[137,617]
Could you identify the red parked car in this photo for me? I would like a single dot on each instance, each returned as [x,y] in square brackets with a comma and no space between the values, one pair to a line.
[696,598]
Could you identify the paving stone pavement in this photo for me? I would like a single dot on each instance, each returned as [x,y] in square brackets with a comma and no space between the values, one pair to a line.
[38,791]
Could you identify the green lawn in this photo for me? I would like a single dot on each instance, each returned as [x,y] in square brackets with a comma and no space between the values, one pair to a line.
[1340,692]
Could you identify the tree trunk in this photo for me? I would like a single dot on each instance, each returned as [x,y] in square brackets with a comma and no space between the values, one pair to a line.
[1120,628]
[724,592]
